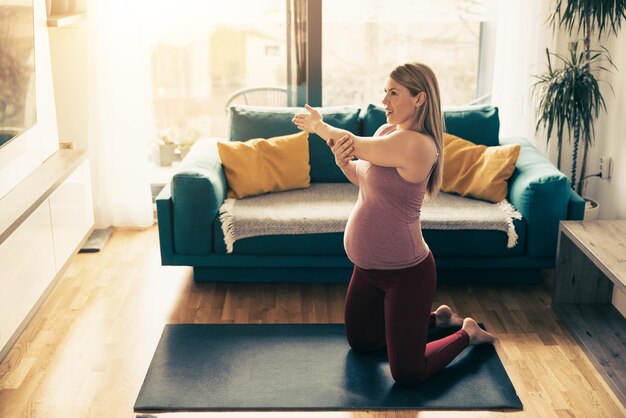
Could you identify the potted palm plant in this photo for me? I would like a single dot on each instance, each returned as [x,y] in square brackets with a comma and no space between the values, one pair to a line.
[570,101]
[568,95]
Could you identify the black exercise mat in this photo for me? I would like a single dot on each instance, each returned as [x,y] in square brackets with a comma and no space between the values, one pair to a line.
[201,367]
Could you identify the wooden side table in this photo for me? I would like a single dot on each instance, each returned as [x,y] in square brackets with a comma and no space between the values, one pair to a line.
[591,261]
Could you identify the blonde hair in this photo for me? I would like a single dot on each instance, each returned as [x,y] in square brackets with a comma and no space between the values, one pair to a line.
[418,77]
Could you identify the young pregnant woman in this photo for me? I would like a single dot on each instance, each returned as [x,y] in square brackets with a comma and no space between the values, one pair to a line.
[389,298]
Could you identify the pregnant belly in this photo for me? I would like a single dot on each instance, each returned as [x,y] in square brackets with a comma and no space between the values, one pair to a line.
[373,243]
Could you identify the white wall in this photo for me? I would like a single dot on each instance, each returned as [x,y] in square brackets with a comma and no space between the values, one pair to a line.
[22,155]
[68,50]
[611,137]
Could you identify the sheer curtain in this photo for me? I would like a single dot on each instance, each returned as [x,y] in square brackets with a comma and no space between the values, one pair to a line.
[523,35]
[120,114]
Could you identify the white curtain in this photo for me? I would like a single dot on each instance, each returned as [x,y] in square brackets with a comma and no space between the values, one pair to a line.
[523,34]
[120,114]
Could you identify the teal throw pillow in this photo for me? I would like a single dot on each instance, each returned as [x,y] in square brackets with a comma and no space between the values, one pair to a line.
[247,122]
[479,124]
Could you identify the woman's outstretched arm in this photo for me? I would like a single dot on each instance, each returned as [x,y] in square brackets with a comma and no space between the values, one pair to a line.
[393,150]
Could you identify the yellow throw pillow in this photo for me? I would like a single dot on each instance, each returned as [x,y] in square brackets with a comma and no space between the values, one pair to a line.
[262,165]
[477,170]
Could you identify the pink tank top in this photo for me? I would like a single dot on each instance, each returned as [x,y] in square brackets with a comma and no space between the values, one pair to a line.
[383,230]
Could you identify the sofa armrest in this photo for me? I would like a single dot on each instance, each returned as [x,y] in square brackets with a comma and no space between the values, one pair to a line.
[198,190]
[576,207]
[541,193]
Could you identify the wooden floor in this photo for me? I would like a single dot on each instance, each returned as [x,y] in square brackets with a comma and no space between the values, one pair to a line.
[87,350]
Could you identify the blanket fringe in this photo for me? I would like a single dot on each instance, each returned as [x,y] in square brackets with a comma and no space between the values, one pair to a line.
[511,214]
[226,219]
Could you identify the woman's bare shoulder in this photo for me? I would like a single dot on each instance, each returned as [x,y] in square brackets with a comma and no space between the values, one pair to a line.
[409,134]
[414,141]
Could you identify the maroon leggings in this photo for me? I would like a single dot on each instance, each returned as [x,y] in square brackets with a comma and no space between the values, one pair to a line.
[392,308]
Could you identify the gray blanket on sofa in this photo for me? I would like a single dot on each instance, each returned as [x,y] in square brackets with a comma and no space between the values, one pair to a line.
[325,207]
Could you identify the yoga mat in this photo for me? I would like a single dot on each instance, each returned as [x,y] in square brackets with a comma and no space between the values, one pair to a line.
[205,367]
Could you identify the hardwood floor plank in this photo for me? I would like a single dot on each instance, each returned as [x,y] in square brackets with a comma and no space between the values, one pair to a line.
[87,350]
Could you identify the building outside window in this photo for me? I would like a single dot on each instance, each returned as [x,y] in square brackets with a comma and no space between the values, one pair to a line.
[363,40]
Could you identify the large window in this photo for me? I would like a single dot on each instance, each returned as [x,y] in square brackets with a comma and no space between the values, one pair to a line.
[363,40]
[205,51]
[17,69]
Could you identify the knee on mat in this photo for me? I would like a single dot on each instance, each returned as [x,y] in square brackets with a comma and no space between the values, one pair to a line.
[407,378]
[359,344]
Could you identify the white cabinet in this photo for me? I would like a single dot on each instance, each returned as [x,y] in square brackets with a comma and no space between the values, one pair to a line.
[27,260]
[34,253]
[71,211]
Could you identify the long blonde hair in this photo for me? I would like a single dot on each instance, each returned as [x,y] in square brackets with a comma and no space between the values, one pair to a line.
[418,77]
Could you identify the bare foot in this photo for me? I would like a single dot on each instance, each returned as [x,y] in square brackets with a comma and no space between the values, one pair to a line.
[477,334]
[446,318]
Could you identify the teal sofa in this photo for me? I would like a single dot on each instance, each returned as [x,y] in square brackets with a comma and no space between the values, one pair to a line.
[190,232]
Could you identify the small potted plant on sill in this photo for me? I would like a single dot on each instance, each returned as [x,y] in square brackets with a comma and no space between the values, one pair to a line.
[569,96]
[165,149]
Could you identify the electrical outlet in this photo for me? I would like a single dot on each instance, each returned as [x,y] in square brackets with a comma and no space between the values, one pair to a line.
[606,167]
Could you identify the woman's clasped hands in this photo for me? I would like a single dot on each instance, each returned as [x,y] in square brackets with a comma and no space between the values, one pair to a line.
[342,149]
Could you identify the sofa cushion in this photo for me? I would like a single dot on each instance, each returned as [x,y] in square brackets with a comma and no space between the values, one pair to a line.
[262,165]
[477,170]
[247,122]
[479,124]
[443,243]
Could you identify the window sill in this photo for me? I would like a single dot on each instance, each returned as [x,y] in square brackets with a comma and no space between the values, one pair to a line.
[59,21]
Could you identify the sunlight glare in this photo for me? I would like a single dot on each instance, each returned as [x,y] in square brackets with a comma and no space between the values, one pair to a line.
[189,18]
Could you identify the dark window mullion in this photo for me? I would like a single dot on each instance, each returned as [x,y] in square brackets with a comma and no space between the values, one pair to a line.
[290,63]
[297,55]
[314,53]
